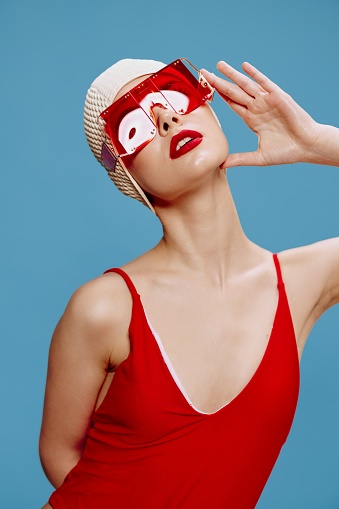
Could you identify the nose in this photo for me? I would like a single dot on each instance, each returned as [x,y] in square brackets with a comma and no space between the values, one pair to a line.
[165,119]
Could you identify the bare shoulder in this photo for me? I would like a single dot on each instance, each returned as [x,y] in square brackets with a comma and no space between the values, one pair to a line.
[311,277]
[316,268]
[105,299]
[97,318]
[317,252]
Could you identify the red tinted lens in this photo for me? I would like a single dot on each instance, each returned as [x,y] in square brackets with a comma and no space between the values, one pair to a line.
[125,124]
[177,76]
[113,117]
[108,159]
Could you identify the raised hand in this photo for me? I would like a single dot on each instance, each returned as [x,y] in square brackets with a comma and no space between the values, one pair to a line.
[286,133]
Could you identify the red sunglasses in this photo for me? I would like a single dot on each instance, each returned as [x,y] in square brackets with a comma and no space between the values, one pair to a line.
[130,122]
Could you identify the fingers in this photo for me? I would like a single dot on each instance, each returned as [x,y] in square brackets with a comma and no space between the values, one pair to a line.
[227,89]
[236,107]
[259,77]
[261,82]
[244,82]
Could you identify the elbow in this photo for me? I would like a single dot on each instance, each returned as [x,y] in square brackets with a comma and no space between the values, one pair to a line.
[56,462]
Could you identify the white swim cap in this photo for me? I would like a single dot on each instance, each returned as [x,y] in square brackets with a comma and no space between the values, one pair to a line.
[100,95]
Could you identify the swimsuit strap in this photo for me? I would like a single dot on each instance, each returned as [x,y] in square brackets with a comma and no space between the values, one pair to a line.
[134,292]
[277,266]
[127,279]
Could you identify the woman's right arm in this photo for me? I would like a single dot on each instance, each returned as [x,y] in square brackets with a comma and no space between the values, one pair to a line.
[91,335]
[286,133]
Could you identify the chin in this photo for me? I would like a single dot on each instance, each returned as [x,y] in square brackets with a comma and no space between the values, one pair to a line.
[212,158]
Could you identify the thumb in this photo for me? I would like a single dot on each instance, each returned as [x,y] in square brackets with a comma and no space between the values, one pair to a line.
[242,159]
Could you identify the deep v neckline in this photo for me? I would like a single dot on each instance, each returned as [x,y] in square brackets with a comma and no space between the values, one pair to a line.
[164,358]
[177,382]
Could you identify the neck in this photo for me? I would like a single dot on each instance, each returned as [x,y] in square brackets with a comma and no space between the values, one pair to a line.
[202,232]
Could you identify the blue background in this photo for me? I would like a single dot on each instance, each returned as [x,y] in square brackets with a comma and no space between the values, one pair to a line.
[63,221]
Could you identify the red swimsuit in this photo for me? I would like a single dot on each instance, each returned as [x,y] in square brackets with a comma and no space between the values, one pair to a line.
[149,448]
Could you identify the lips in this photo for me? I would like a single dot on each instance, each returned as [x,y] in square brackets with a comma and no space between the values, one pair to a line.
[183,142]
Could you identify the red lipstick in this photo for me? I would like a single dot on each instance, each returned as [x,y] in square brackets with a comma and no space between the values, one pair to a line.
[183,142]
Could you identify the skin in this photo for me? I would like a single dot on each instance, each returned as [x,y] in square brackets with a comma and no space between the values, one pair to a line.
[215,343]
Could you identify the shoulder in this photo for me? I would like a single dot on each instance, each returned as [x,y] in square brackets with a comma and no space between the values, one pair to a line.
[316,253]
[311,275]
[96,320]
[103,299]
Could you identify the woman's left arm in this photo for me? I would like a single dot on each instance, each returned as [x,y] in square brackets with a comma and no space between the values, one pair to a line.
[286,133]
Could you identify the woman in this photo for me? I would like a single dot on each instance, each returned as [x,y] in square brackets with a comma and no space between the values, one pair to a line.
[199,416]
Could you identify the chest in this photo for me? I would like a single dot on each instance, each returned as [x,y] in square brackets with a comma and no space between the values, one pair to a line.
[212,342]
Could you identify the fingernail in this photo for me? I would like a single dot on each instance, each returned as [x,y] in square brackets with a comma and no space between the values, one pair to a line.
[205,70]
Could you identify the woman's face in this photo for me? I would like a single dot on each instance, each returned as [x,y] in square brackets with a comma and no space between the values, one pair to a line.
[166,168]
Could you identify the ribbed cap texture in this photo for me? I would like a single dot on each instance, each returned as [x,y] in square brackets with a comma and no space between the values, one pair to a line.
[101,95]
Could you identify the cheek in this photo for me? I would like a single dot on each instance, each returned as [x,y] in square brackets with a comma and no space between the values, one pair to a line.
[156,173]
[143,167]
[128,161]
[213,151]
[214,134]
